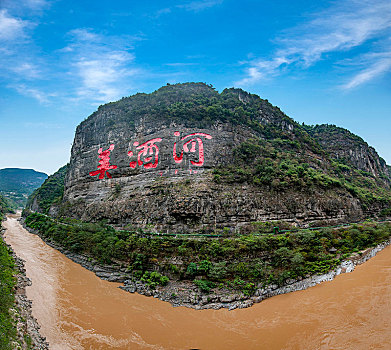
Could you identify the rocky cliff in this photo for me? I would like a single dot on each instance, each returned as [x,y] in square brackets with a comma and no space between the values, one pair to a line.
[186,158]
[350,149]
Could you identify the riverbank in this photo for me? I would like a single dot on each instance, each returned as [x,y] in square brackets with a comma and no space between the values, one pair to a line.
[27,335]
[185,293]
[77,310]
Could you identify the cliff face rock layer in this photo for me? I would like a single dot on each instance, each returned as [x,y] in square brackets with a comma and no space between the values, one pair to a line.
[349,148]
[187,158]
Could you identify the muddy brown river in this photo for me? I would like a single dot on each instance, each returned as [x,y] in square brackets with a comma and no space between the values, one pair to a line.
[77,310]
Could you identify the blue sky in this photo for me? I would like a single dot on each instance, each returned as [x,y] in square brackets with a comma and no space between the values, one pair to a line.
[319,61]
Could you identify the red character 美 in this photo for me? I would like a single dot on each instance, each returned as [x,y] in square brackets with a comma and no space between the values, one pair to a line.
[104,163]
[191,143]
[149,151]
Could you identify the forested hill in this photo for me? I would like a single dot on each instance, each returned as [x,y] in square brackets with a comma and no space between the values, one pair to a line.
[188,158]
[50,193]
[17,184]
[5,206]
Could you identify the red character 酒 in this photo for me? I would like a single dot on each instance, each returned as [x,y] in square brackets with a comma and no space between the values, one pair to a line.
[149,151]
[104,163]
[193,141]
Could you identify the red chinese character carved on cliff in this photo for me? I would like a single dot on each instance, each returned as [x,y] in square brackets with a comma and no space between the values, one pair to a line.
[194,142]
[104,163]
[149,151]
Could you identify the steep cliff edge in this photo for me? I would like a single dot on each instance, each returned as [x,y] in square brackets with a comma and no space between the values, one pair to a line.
[186,158]
[350,149]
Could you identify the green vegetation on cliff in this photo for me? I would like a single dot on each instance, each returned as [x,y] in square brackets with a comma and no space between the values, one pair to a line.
[194,105]
[240,262]
[281,164]
[49,193]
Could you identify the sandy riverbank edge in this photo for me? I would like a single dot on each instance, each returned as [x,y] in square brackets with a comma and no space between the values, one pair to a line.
[26,323]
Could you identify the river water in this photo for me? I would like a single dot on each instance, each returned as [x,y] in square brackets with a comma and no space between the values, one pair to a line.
[77,310]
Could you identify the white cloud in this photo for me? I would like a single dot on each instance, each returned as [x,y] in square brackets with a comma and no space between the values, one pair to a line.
[26,70]
[180,64]
[102,64]
[17,61]
[37,94]
[83,34]
[35,4]
[344,26]
[193,6]
[24,6]
[200,5]
[378,65]
[253,74]
[21,64]
[163,11]
[101,75]
[11,28]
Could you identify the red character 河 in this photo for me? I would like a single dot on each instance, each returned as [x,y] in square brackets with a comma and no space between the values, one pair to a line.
[191,143]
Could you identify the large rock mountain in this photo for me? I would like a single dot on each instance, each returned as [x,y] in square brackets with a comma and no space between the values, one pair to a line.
[187,158]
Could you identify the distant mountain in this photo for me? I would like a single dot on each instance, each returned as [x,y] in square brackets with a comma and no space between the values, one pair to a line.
[17,184]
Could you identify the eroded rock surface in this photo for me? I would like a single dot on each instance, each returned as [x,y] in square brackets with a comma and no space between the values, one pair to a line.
[149,160]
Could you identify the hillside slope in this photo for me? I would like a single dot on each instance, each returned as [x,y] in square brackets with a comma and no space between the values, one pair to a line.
[5,206]
[49,194]
[17,184]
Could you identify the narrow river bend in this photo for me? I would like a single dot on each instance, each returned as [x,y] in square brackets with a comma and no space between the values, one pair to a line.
[77,310]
